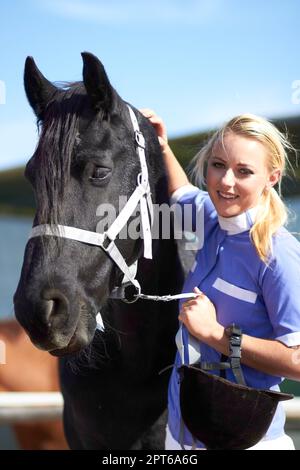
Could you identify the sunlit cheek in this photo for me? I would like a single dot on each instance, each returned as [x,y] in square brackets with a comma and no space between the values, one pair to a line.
[252,191]
[211,176]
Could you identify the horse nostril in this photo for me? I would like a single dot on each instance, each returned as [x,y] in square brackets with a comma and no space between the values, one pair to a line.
[56,303]
[49,308]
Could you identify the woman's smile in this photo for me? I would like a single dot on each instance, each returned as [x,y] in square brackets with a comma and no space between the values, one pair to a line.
[226,196]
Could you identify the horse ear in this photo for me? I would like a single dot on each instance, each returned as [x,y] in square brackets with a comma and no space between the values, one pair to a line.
[96,82]
[38,89]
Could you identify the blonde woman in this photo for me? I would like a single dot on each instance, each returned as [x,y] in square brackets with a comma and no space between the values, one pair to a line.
[247,268]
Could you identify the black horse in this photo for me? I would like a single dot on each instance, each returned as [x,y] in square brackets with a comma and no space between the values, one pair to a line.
[114,396]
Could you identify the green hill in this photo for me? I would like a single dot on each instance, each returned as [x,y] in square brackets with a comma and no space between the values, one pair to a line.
[16,196]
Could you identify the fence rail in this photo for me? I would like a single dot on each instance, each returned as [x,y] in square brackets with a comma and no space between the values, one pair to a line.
[292,409]
[17,407]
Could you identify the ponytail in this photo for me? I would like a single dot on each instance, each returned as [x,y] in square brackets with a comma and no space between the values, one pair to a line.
[272,215]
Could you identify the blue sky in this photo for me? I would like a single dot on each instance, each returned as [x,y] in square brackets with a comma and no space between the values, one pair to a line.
[196,62]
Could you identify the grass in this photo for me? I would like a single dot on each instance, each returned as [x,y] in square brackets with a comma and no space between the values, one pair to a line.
[16,195]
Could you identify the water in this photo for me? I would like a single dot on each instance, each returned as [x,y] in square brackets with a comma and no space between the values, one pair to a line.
[13,237]
[294,223]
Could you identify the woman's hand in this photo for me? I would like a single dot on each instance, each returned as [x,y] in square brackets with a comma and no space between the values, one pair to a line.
[159,126]
[175,173]
[199,316]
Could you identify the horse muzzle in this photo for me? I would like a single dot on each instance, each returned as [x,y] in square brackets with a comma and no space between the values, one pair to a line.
[56,322]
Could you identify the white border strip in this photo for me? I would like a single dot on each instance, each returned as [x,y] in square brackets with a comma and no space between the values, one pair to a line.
[234,291]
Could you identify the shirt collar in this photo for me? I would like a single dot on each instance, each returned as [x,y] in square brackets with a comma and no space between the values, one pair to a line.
[239,223]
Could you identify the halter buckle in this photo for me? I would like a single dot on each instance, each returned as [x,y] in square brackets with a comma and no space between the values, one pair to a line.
[139,138]
[107,242]
[143,183]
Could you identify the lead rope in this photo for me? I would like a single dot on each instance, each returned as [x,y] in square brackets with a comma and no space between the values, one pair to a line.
[167,298]
[117,294]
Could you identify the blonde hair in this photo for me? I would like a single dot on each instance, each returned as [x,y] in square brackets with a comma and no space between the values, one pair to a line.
[272,212]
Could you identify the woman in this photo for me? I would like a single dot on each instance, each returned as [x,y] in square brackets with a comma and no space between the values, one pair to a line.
[247,268]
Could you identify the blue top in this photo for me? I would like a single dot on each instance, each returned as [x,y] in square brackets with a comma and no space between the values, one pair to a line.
[262,299]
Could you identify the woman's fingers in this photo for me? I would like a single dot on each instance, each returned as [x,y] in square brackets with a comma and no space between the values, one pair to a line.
[147,112]
[197,290]
[195,300]
[153,117]
[158,124]
[162,141]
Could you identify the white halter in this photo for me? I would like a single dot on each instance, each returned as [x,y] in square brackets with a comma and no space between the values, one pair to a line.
[106,240]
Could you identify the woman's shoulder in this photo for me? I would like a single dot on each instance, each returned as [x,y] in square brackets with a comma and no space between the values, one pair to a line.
[285,252]
[284,241]
[187,192]
[195,197]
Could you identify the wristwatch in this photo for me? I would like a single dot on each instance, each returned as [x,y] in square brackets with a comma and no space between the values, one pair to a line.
[234,333]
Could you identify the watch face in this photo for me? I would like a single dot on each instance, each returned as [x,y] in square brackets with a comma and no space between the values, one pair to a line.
[235,340]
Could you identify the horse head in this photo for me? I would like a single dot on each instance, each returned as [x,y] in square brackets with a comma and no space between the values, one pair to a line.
[85,159]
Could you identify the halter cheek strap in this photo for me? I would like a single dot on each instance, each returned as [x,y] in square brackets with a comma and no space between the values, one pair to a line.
[106,240]
[145,199]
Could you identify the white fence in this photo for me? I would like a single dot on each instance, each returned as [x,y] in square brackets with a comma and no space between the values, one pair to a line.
[35,406]
[16,407]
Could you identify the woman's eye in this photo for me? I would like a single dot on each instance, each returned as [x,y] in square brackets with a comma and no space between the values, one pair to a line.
[218,165]
[246,171]
[100,173]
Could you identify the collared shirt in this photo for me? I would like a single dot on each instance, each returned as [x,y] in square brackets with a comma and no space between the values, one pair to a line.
[262,299]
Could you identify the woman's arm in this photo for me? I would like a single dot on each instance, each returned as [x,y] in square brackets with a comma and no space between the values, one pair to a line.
[268,356]
[175,173]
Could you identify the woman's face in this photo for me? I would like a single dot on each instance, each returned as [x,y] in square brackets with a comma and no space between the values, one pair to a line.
[237,174]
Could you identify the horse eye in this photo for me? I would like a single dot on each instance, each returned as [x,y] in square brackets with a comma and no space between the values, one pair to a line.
[100,173]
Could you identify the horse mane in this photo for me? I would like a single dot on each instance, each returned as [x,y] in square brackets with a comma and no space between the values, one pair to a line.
[59,135]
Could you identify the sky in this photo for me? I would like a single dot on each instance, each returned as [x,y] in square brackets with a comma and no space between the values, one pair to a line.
[197,63]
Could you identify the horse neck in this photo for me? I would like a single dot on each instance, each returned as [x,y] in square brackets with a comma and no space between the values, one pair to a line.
[143,332]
